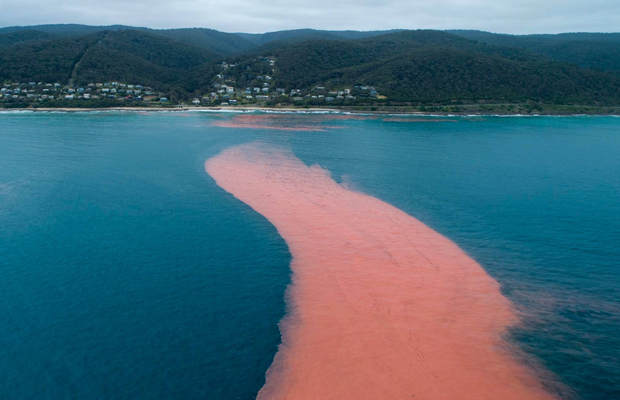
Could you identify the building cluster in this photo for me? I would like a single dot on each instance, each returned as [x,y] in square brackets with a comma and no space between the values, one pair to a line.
[225,92]
[40,91]
[224,89]
[229,95]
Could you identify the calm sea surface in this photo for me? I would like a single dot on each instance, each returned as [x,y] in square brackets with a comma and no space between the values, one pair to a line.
[127,273]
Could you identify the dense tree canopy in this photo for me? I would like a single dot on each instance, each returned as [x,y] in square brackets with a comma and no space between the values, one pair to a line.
[408,66]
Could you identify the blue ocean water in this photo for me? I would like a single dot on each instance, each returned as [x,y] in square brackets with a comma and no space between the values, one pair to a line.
[128,274]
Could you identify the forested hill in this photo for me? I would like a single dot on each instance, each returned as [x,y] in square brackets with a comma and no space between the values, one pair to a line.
[434,66]
[599,51]
[124,55]
[420,66]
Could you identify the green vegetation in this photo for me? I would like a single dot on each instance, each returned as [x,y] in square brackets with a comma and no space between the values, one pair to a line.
[599,51]
[133,56]
[9,39]
[422,70]
[432,75]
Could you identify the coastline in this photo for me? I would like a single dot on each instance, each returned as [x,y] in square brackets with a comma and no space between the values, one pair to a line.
[313,110]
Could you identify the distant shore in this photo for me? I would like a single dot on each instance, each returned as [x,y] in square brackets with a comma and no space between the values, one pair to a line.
[474,110]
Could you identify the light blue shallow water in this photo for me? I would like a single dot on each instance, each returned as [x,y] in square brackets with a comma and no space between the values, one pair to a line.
[128,274]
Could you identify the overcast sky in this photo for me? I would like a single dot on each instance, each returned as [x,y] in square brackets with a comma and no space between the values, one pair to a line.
[507,16]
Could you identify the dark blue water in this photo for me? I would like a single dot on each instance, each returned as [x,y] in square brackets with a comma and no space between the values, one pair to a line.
[128,274]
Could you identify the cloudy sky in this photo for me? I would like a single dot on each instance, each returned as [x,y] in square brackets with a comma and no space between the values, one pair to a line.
[508,16]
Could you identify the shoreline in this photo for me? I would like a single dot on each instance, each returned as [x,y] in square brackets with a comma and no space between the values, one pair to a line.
[301,110]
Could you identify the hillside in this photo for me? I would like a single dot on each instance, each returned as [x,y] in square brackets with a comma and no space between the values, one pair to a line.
[65,29]
[599,51]
[434,67]
[298,35]
[9,39]
[208,39]
[132,56]
[434,75]
[46,61]
[303,64]
[413,67]
[221,43]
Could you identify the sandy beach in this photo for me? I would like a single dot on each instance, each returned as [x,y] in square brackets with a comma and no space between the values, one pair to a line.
[380,305]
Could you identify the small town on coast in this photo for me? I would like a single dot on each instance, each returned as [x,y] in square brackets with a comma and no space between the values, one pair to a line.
[224,93]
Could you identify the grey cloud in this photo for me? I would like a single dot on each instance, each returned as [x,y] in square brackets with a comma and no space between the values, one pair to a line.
[524,16]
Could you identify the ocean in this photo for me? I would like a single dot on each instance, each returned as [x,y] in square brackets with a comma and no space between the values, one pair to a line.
[128,273]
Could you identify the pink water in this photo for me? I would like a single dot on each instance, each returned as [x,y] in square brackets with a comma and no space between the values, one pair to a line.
[280,122]
[380,305]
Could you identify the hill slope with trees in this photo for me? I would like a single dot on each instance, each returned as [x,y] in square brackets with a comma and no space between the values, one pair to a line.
[433,66]
[123,55]
[420,66]
[599,51]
